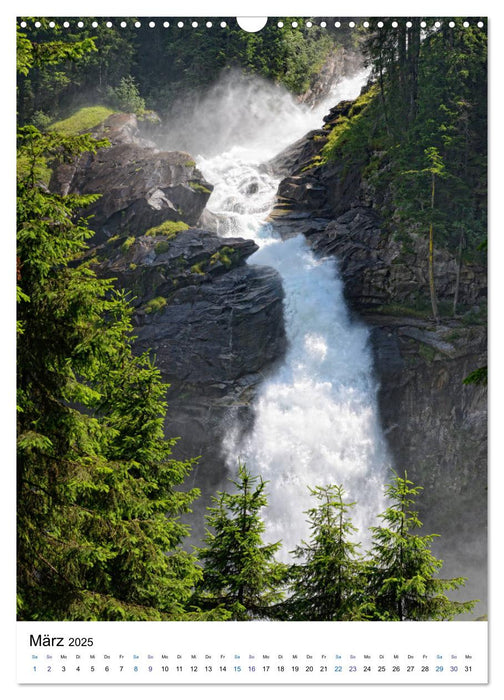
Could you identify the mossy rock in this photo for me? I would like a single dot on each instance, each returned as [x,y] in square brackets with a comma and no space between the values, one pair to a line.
[348,130]
[198,268]
[197,187]
[168,229]
[85,119]
[155,305]
[224,256]
[127,243]
[162,247]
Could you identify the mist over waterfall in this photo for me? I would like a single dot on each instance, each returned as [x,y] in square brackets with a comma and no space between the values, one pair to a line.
[250,114]
[315,416]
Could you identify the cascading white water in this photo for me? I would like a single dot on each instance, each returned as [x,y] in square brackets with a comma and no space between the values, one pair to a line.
[316,419]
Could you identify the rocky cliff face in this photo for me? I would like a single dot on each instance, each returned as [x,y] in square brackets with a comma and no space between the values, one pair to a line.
[435,425]
[213,323]
[339,62]
[140,186]
[337,209]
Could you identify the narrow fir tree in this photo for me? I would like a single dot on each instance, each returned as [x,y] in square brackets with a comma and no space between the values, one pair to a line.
[240,572]
[402,570]
[98,506]
[435,169]
[326,584]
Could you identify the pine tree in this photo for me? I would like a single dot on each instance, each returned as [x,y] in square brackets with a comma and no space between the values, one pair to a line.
[327,583]
[98,508]
[402,571]
[240,572]
[435,169]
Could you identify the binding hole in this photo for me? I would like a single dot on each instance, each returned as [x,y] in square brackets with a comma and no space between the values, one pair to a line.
[251,24]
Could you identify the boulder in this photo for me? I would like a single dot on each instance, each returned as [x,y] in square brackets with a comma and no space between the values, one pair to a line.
[151,266]
[213,333]
[140,186]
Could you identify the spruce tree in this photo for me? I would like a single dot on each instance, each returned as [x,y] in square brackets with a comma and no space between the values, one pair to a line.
[402,570]
[240,572]
[326,585]
[98,506]
[435,169]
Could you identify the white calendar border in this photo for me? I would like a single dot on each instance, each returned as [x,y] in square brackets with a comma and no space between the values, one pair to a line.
[257,8]
[309,653]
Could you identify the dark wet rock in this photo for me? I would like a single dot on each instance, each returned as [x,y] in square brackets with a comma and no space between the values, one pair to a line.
[140,186]
[214,326]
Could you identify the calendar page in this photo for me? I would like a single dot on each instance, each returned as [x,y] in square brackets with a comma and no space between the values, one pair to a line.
[251,350]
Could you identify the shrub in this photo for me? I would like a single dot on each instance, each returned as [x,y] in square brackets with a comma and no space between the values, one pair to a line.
[126,96]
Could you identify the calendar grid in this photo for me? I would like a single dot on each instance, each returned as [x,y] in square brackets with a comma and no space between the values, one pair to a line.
[269,653]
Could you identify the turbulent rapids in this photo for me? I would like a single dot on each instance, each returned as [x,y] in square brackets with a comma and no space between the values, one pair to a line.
[315,417]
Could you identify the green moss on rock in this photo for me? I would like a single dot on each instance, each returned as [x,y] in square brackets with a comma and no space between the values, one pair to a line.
[198,187]
[155,305]
[197,268]
[168,229]
[85,119]
[127,243]
[224,256]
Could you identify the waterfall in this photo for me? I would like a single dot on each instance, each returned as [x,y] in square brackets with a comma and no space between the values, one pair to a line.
[315,417]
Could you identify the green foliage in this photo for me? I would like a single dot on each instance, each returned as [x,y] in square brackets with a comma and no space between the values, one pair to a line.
[350,133]
[169,64]
[99,499]
[239,571]
[31,54]
[197,187]
[41,121]
[119,64]
[327,585]
[402,580]
[478,376]
[126,244]
[169,229]
[84,64]
[199,267]
[126,96]
[330,578]
[97,506]
[224,255]
[425,117]
[40,171]
[162,247]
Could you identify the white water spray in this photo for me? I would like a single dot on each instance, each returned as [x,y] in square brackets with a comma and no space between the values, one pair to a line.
[316,419]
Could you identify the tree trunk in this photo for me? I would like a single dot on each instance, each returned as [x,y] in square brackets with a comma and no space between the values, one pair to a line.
[459,266]
[432,287]
[413,57]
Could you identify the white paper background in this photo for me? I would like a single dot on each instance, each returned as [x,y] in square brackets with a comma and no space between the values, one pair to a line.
[278,8]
